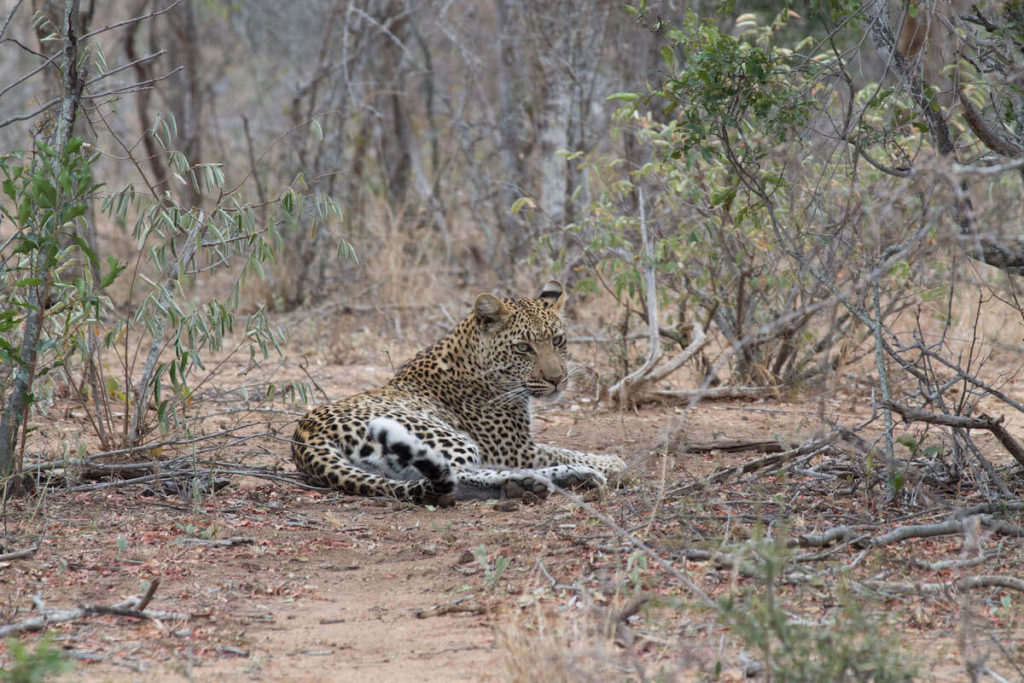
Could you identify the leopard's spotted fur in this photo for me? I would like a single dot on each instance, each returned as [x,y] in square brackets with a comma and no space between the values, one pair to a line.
[455,421]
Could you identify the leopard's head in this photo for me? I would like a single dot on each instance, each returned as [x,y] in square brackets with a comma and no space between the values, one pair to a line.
[522,342]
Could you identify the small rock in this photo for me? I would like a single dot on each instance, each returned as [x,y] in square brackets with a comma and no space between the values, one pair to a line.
[509,504]
[466,557]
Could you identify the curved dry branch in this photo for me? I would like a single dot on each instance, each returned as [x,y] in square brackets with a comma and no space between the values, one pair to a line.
[627,388]
[775,460]
[990,137]
[132,607]
[992,424]
[946,587]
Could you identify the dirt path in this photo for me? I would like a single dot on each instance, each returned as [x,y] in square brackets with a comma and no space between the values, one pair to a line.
[356,619]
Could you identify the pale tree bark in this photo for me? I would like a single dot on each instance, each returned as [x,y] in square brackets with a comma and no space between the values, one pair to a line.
[553,39]
[15,414]
[388,27]
[144,73]
[510,143]
[185,96]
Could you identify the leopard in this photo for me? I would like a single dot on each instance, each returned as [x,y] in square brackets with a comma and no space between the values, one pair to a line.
[456,421]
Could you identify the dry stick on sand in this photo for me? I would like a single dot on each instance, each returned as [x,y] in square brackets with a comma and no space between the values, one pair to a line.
[19,554]
[946,587]
[775,460]
[132,607]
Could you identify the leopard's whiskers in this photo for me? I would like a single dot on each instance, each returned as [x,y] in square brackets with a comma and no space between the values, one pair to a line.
[509,397]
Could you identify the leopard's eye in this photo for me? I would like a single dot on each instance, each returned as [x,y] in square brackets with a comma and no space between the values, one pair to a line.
[558,339]
[523,347]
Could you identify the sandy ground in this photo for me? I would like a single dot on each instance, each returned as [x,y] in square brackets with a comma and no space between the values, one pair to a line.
[287,584]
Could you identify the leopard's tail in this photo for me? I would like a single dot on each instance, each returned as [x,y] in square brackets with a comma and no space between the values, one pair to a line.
[402,450]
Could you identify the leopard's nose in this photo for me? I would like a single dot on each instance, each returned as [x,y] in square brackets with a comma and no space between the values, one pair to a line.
[557,380]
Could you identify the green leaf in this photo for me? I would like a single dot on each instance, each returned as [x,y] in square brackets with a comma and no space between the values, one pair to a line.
[521,203]
[723,195]
[64,180]
[909,441]
[24,211]
[86,250]
[668,56]
[26,244]
[623,97]
[116,268]
[45,192]
[74,144]
[72,212]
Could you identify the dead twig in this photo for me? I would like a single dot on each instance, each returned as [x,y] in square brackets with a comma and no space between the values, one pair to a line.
[132,607]
[734,446]
[948,528]
[441,610]
[992,424]
[718,393]
[218,542]
[19,554]
[839,534]
[776,460]
[946,587]
[150,592]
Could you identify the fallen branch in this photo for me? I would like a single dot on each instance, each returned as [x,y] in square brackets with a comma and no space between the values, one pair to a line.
[955,563]
[950,527]
[19,554]
[944,587]
[718,393]
[441,610]
[839,534]
[218,542]
[776,460]
[734,446]
[132,607]
[992,424]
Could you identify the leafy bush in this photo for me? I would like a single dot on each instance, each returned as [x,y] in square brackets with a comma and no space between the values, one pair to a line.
[56,312]
[36,665]
[49,291]
[849,646]
[755,228]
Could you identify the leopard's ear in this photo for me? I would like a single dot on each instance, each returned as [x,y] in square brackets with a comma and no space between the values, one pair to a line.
[491,312]
[553,295]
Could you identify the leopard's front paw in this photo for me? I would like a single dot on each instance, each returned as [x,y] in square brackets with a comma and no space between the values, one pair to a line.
[527,483]
[579,476]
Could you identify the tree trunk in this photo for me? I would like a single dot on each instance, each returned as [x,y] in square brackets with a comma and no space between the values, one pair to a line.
[510,148]
[14,416]
[143,73]
[555,106]
[186,102]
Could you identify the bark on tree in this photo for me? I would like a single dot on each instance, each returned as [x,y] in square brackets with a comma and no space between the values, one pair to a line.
[144,72]
[553,35]
[15,415]
[510,145]
[185,99]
